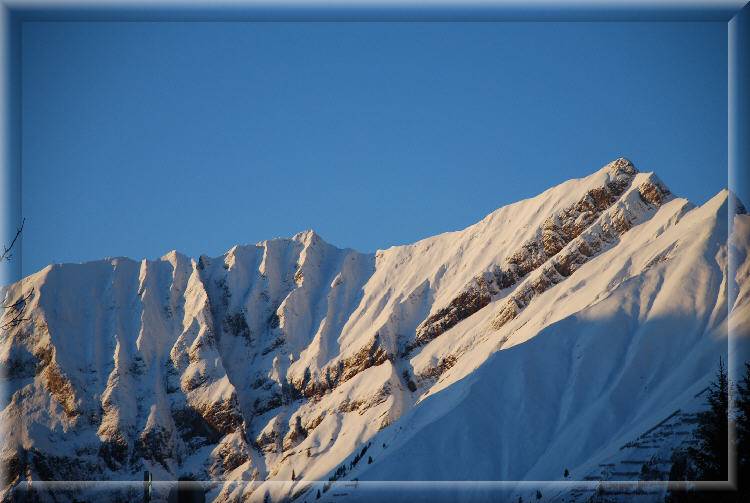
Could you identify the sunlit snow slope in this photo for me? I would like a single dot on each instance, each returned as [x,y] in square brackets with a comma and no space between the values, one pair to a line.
[542,338]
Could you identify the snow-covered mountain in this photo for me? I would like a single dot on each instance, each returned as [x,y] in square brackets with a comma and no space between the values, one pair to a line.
[542,339]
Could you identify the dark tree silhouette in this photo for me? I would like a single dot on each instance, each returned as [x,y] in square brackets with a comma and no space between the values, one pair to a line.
[711,454]
[709,459]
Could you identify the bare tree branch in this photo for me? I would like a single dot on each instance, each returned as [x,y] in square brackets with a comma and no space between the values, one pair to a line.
[6,256]
[15,312]
[15,305]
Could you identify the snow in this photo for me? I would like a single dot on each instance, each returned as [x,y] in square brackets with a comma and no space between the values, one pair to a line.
[120,349]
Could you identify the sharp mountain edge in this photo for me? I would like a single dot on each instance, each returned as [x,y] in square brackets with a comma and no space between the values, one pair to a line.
[543,338]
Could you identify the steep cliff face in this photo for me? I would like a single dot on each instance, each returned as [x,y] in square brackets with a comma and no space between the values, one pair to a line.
[290,359]
[556,232]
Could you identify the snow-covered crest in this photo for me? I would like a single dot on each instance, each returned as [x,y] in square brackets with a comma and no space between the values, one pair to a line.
[598,306]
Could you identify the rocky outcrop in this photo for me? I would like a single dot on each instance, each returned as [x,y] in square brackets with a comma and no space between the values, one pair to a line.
[223,416]
[269,439]
[648,196]
[370,355]
[193,428]
[231,453]
[432,373]
[474,297]
[58,385]
[362,404]
[295,435]
[556,232]
[155,444]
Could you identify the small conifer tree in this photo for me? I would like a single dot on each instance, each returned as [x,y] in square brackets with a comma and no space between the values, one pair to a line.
[712,433]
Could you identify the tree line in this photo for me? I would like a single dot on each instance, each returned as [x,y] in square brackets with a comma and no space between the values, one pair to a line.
[709,459]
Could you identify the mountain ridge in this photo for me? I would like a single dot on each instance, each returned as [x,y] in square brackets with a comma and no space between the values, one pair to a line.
[292,355]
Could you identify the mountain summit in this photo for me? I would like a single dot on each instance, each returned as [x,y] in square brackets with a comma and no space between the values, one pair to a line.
[539,341]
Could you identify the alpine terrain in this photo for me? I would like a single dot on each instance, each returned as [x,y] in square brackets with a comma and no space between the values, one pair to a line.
[566,337]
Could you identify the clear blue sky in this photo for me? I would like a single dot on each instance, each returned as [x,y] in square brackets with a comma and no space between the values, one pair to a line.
[139,138]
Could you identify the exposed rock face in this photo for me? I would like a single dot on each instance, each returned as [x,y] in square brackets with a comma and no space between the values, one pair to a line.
[281,361]
[223,416]
[556,232]
[476,296]
[269,439]
[612,224]
[156,444]
[432,373]
[369,355]
[295,435]
[58,385]
[231,453]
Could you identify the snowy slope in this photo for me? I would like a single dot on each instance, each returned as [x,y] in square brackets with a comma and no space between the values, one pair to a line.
[544,337]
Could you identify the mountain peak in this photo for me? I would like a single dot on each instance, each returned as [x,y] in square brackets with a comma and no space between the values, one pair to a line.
[308,237]
[620,165]
[618,169]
